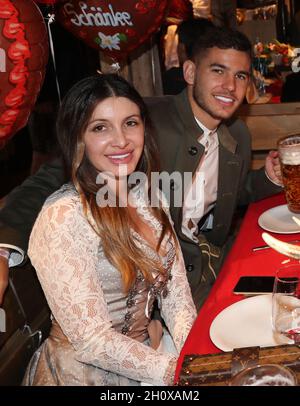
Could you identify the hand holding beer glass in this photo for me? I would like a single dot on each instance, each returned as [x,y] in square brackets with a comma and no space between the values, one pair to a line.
[289,155]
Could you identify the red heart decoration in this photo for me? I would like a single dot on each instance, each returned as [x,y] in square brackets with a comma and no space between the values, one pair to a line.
[114,27]
[23,59]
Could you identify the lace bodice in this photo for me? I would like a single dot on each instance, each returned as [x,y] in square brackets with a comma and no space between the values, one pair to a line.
[85,295]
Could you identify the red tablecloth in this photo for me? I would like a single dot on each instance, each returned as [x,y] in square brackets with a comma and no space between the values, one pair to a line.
[240,261]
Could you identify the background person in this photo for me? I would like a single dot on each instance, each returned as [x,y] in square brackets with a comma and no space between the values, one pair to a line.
[221,12]
[290,92]
[187,31]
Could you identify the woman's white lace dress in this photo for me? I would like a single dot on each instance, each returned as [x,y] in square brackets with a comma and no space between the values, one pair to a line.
[99,334]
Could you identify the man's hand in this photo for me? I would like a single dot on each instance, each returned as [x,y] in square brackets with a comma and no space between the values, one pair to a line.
[273,169]
[3,276]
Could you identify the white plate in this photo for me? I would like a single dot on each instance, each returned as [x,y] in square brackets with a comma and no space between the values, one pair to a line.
[279,220]
[244,324]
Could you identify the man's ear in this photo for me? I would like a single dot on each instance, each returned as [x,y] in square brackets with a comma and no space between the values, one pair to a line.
[189,72]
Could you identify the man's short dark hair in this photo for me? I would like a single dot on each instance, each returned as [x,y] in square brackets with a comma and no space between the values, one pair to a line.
[223,38]
[190,29]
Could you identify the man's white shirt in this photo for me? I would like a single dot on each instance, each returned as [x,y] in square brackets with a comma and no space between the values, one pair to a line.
[202,193]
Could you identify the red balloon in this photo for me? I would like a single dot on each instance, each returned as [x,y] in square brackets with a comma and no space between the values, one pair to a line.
[114,27]
[23,59]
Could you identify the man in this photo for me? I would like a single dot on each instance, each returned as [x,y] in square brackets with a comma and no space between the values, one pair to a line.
[194,135]
[197,134]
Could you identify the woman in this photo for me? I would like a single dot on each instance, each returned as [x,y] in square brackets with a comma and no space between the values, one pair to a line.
[103,267]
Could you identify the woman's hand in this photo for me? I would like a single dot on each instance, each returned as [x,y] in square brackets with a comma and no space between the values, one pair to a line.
[3,277]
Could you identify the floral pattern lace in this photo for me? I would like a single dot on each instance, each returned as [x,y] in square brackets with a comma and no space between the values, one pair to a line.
[68,258]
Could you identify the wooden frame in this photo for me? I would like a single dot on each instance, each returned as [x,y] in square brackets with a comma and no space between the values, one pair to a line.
[267,123]
[270,109]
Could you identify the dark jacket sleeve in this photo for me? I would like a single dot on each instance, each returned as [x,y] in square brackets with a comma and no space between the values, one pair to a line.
[23,204]
[258,187]
[254,184]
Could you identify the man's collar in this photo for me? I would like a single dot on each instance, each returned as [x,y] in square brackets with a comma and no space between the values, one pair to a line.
[186,114]
[206,131]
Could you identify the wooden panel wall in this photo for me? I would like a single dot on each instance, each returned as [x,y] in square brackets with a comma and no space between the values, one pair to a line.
[267,124]
[142,70]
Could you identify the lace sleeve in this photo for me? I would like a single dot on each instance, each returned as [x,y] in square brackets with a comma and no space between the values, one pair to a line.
[178,309]
[63,249]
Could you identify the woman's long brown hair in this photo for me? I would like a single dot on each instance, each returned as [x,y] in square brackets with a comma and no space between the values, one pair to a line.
[113,224]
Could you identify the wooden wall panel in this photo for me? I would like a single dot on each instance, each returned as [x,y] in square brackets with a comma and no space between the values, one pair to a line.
[267,124]
[142,70]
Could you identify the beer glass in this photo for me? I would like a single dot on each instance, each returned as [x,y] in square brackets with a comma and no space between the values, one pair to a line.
[286,305]
[265,375]
[289,155]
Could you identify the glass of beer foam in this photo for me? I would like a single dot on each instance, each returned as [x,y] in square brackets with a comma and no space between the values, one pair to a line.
[289,155]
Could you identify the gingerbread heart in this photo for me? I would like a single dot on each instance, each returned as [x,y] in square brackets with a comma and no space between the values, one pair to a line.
[114,27]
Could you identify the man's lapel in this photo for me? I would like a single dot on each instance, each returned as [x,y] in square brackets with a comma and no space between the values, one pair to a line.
[190,151]
[230,166]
